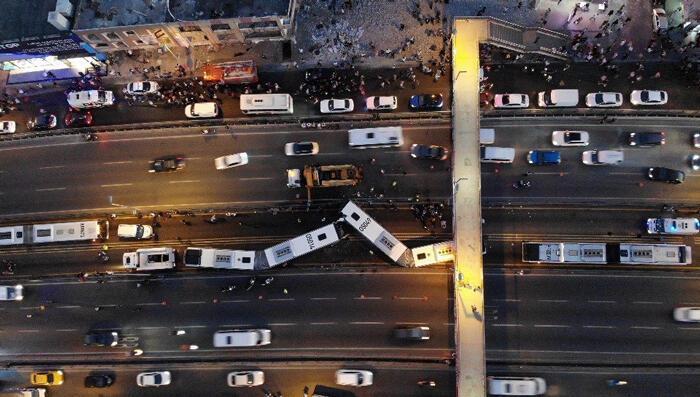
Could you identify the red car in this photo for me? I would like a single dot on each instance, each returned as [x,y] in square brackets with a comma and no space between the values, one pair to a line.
[78,119]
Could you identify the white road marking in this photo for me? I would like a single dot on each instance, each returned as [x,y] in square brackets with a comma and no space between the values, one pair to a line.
[506,300]
[68,307]
[417,298]
[255,179]
[367,298]
[24,331]
[601,301]
[689,329]
[148,328]
[402,174]
[192,302]
[647,302]
[410,323]
[506,325]
[328,323]
[50,189]
[625,173]
[323,299]
[282,324]
[550,326]
[117,185]
[186,181]
[116,162]
[364,323]
[280,299]
[643,327]
[553,300]
[52,167]
[67,330]
[150,304]
[599,326]
[236,301]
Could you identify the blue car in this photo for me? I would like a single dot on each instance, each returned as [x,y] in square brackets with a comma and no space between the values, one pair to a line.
[426,102]
[543,157]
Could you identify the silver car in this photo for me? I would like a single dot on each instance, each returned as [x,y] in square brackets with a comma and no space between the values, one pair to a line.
[11,292]
[245,378]
[570,138]
[231,161]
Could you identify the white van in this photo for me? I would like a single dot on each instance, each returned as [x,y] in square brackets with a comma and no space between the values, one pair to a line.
[202,110]
[493,154]
[90,99]
[267,104]
[160,258]
[602,157]
[365,138]
[138,232]
[242,337]
[487,136]
[557,98]
[516,386]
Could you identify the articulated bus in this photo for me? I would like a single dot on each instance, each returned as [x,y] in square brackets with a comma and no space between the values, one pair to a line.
[374,232]
[304,244]
[602,253]
[54,233]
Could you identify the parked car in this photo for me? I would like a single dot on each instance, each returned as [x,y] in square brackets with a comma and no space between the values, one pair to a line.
[696,140]
[695,162]
[604,100]
[667,175]
[569,138]
[99,381]
[353,377]
[426,102]
[345,105]
[301,148]
[659,20]
[202,110]
[687,314]
[231,161]
[47,378]
[677,226]
[511,101]
[381,103]
[102,338]
[419,333]
[153,379]
[647,139]
[602,157]
[11,292]
[543,157]
[648,97]
[75,118]
[31,392]
[167,164]
[46,121]
[8,127]
[430,152]
[245,378]
[142,88]
[516,386]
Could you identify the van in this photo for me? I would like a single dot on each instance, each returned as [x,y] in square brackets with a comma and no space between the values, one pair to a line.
[487,136]
[90,99]
[602,157]
[365,138]
[493,154]
[159,258]
[138,232]
[557,98]
[516,386]
[29,392]
[242,338]
[202,110]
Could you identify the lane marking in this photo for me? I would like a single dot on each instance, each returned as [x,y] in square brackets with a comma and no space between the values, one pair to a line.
[601,301]
[647,302]
[236,301]
[67,330]
[600,326]
[626,173]
[553,300]
[410,323]
[148,328]
[643,327]
[186,181]
[282,324]
[361,323]
[52,189]
[280,299]
[192,302]
[506,300]
[417,298]
[367,298]
[327,323]
[52,167]
[506,325]
[150,304]
[323,299]
[689,329]
[68,307]
[255,179]
[117,184]
[260,155]
[25,331]
[190,326]
[116,162]
[550,326]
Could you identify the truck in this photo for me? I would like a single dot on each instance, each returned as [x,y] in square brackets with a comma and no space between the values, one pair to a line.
[324,176]
[219,258]
[159,258]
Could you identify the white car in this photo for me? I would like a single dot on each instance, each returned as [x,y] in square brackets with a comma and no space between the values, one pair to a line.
[231,161]
[569,138]
[11,292]
[142,88]
[687,314]
[301,148]
[381,103]
[337,105]
[604,100]
[245,378]
[516,386]
[679,226]
[659,19]
[602,157]
[202,110]
[353,377]
[8,127]
[511,101]
[648,97]
[153,379]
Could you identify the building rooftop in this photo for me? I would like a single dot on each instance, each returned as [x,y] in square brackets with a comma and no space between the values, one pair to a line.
[95,14]
[22,19]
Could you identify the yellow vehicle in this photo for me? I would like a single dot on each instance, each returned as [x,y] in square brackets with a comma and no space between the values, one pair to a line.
[48,378]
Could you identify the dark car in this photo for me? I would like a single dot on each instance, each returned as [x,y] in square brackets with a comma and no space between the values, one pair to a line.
[44,121]
[426,102]
[647,139]
[102,338]
[412,333]
[167,164]
[667,175]
[431,152]
[99,381]
[543,157]
[78,119]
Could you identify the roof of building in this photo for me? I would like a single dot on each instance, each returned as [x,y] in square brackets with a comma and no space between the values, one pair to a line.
[96,14]
[22,19]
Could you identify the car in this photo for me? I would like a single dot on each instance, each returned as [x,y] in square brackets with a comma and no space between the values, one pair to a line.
[102,338]
[337,105]
[153,379]
[569,138]
[202,110]
[47,378]
[11,292]
[696,140]
[31,392]
[659,20]
[245,378]
[77,119]
[99,381]
[231,161]
[677,226]
[543,157]
[8,127]
[167,164]
[46,121]
[353,377]
[667,175]
[647,139]
[242,337]
[687,314]
[430,152]
[142,88]
[426,102]
[516,386]
[695,162]
[511,101]
[419,333]
[648,98]
[604,100]
[301,148]
[381,103]
[602,157]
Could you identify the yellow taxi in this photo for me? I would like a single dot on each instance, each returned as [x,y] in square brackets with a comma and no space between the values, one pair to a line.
[48,378]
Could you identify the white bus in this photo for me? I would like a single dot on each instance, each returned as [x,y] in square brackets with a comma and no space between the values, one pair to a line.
[375,233]
[433,254]
[602,253]
[12,235]
[365,138]
[267,104]
[69,231]
[302,245]
[655,254]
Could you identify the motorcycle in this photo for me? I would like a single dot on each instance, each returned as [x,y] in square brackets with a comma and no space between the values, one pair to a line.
[522,184]
[91,137]
[427,383]
[616,382]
